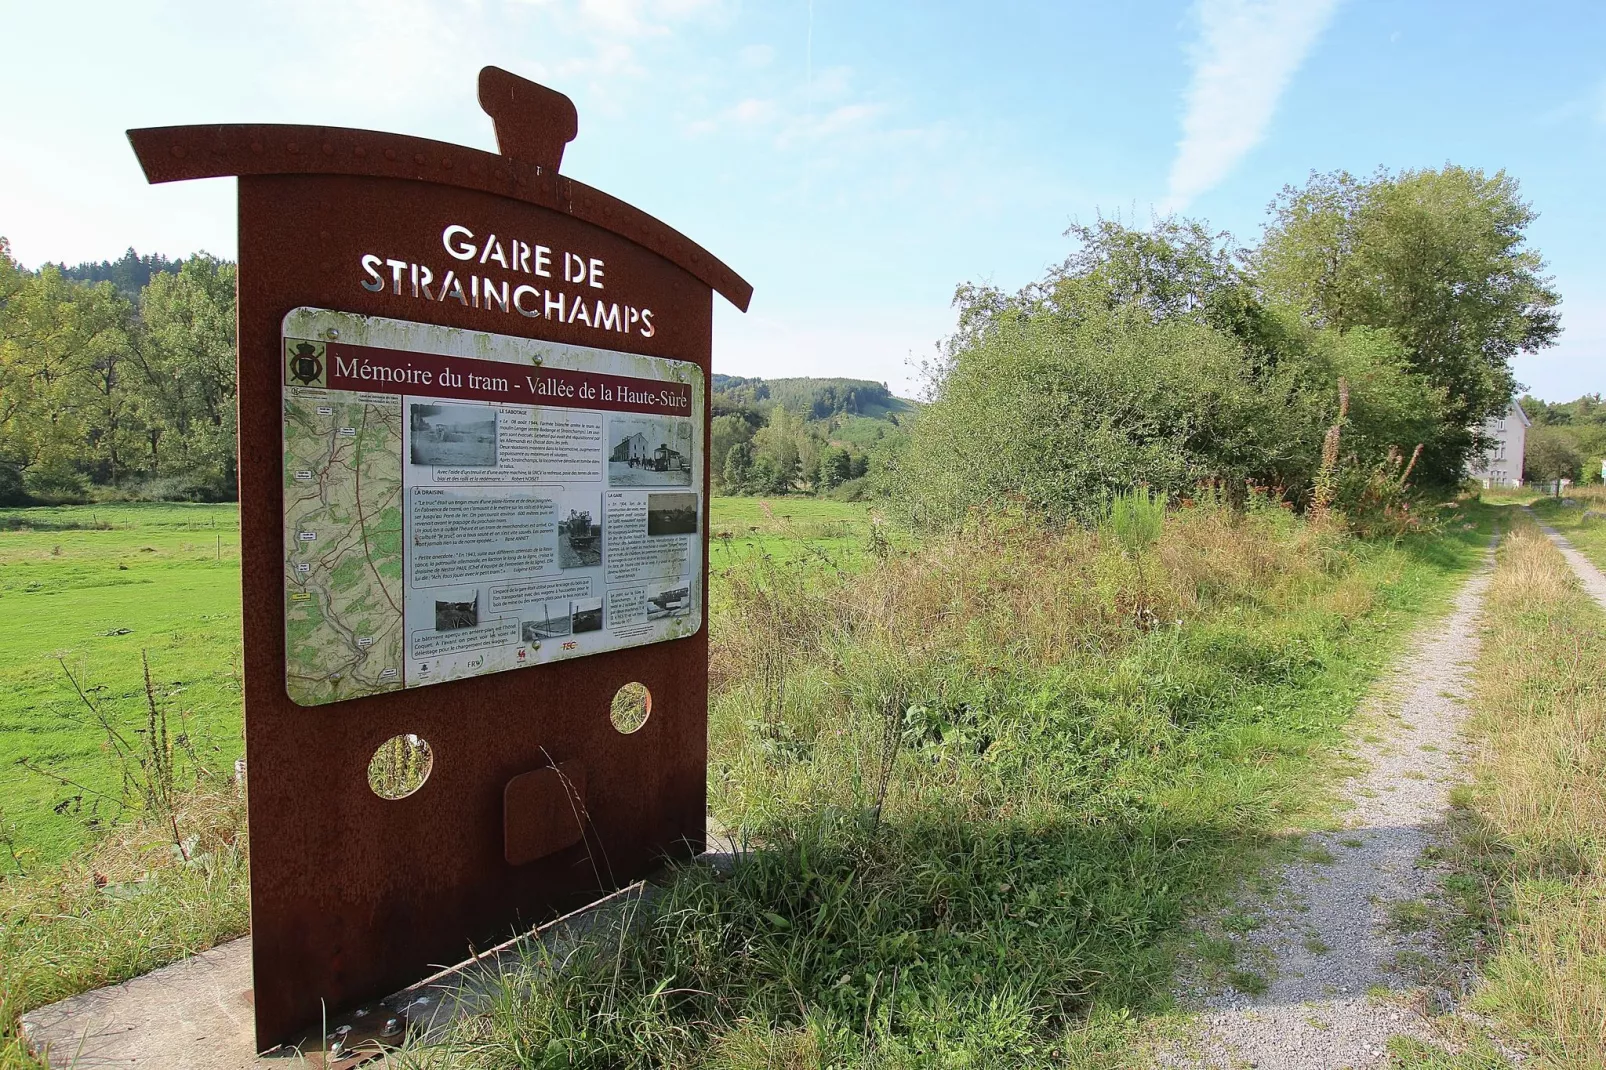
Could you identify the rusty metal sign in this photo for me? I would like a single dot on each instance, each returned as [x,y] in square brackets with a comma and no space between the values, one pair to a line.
[473,436]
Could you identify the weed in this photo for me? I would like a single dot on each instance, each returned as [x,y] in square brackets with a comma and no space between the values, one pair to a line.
[1316,854]
[1409,915]
[1248,982]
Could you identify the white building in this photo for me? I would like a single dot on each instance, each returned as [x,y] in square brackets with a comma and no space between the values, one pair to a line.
[1502,465]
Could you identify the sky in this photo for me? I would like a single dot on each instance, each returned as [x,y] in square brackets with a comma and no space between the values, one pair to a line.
[854,161]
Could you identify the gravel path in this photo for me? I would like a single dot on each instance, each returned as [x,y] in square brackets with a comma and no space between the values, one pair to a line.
[1340,944]
[1582,567]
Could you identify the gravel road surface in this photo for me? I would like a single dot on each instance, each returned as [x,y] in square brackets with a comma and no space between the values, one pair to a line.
[1333,967]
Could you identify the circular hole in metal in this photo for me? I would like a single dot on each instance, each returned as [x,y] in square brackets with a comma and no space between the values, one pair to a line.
[631,705]
[400,766]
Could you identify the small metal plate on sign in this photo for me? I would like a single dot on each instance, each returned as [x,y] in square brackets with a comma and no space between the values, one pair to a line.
[543,812]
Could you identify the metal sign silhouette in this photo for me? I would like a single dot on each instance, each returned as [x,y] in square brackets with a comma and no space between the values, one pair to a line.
[437,348]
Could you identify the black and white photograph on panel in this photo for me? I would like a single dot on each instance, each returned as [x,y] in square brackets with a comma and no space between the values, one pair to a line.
[669,602]
[580,530]
[587,614]
[452,436]
[552,620]
[649,451]
[452,614]
[672,514]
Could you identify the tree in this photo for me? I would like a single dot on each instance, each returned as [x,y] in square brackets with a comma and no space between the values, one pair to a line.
[1439,258]
[63,397]
[1581,423]
[835,468]
[738,466]
[1057,412]
[188,361]
[766,478]
[776,443]
[1176,271]
[726,431]
[1551,455]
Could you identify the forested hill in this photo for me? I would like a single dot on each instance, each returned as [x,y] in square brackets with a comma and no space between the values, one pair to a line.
[810,398]
[781,436]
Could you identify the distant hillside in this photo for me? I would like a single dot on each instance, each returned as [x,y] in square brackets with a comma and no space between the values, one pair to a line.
[803,435]
[810,398]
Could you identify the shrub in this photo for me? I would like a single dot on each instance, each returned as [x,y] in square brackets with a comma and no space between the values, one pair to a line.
[56,484]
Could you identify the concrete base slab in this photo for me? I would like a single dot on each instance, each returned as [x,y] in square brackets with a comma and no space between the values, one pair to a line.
[196,1014]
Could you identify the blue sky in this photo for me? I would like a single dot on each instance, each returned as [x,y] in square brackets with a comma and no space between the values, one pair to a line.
[854,161]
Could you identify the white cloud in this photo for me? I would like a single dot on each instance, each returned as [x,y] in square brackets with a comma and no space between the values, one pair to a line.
[753,110]
[1246,52]
[756,56]
[1589,106]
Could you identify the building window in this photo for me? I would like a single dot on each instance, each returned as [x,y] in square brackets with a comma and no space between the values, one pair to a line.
[1500,424]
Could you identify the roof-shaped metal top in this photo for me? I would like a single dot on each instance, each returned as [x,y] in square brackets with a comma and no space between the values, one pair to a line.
[533,124]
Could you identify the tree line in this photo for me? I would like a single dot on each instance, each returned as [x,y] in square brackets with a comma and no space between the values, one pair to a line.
[117,378]
[1357,348]
[1354,351]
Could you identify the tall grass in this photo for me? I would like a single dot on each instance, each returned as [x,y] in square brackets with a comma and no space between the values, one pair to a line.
[169,879]
[989,793]
[992,775]
[1536,836]
[1581,517]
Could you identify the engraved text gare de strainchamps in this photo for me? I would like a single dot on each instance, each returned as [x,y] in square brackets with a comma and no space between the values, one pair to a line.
[510,275]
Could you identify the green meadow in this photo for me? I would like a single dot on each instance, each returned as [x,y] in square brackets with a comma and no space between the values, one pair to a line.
[85,589]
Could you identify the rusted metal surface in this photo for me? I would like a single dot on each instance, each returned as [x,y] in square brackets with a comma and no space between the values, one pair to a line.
[533,123]
[177,153]
[543,812]
[353,896]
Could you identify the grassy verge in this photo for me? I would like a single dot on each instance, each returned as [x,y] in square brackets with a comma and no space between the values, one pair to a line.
[134,901]
[1532,849]
[1581,517]
[993,777]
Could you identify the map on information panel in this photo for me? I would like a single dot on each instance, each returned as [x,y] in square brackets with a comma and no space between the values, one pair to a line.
[459,503]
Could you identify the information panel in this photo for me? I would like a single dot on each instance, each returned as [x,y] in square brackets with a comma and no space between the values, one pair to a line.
[459,503]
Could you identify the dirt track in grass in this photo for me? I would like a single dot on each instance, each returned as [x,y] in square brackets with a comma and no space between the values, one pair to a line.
[1334,956]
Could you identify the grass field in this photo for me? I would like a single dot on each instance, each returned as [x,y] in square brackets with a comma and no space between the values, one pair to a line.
[93,586]
[995,773]
[787,529]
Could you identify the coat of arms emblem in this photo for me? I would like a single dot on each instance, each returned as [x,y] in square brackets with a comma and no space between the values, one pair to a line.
[304,363]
